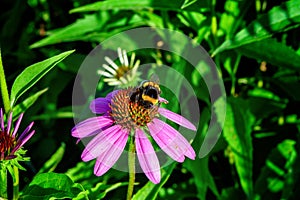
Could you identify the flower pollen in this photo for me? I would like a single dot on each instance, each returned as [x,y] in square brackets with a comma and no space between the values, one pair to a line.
[130,115]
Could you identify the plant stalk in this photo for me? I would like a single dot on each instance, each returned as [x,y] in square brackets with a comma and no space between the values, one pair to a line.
[131,167]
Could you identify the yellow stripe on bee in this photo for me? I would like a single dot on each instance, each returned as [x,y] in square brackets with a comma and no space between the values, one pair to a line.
[149,83]
[150,99]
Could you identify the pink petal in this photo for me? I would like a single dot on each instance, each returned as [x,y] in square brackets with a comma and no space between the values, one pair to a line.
[101,143]
[2,120]
[22,142]
[91,126]
[170,141]
[17,125]
[147,157]
[24,135]
[176,118]
[100,105]
[9,122]
[108,158]
[111,94]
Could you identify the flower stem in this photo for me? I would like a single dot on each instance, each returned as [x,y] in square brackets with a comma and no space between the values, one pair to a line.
[4,91]
[131,167]
[16,183]
[3,182]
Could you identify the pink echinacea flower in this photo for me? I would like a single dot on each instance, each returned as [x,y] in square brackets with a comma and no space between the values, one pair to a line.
[122,118]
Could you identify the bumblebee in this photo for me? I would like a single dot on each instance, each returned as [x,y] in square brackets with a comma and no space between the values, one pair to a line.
[146,94]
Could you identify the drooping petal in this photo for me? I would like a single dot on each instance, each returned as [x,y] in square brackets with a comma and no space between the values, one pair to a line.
[147,157]
[170,141]
[91,126]
[108,158]
[101,143]
[99,105]
[176,118]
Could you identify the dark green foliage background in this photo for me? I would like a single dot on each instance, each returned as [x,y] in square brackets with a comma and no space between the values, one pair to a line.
[255,45]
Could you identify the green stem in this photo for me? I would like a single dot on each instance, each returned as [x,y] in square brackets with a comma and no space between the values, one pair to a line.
[233,75]
[3,182]
[131,167]
[16,183]
[4,91]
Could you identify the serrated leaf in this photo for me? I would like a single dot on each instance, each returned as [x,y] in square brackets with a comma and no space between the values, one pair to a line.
[24,105]
[32,74]
[150,190]
[144,4]
[237,132]
[51,186]
[278,19]
[273,52]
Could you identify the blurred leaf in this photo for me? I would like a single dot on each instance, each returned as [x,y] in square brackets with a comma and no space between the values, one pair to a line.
[32,74]
[24,105]
[231,193]
[65,112]
[55,159]
[237,132]
[279,18]
[272,52]
[51,186]
[150,190]
[188,3]
[203,178]
[277,170]
[144,4]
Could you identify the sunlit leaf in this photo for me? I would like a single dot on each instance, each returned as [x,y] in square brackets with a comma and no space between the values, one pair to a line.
[237,132]
[32,74]
[144,4]
[27,103]
[271,51]
[278,19]
[51,186]
[71,32]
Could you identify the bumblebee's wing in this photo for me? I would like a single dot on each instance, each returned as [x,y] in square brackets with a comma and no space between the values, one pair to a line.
[154,78]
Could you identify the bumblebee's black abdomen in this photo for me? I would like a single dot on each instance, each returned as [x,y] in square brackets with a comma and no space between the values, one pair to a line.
[151,92]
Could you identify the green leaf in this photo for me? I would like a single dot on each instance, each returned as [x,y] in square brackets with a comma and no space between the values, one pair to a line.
[277,170]
[32,74]
[72,32]
[203,178]
[144,4]
[55,159]
[27,103]
[237,132]
[150,190]
[273,52]
[278,19]
[51,186]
